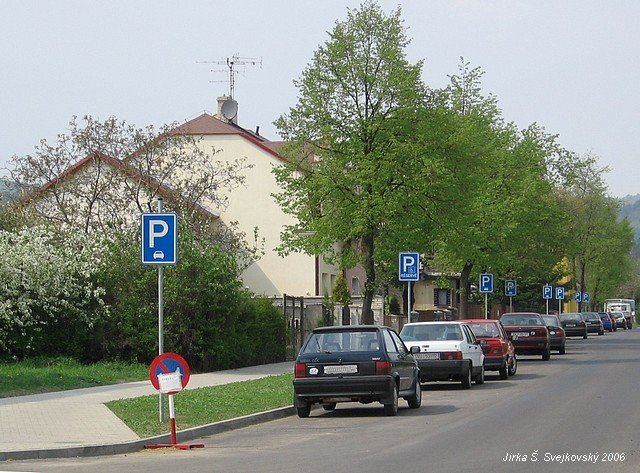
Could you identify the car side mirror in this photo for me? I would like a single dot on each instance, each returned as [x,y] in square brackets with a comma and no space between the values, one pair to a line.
[414,349]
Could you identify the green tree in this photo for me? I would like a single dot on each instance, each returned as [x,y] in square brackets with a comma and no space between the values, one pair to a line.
[357,105]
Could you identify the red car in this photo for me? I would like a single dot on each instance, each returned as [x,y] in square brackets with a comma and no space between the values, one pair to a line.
[528,333]
[499,352]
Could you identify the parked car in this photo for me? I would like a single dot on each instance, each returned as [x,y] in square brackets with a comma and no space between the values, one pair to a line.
[594,323]
[528,333]
[557,337]
[448,351]
[574,325]
[499,352]
[621,320]
[607,321]
[363,363]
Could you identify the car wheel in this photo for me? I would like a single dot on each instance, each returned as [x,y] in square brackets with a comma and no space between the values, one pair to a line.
[562,350]
[466,378]
[546,355]
[304,411]
[329,406]
[504,371]
[514,366]
[585,336]
[415,401]
[480,376]
[391,409]
[601,333]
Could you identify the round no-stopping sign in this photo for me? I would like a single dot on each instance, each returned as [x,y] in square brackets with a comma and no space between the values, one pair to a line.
[169,363]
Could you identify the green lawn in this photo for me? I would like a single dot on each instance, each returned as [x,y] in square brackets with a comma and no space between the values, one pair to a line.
[206,405]
[59,374]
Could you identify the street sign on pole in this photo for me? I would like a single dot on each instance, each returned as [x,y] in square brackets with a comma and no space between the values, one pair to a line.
[485,287]
[408,270]
[511,290]
[560,297]
[578,296]
[547,291]
[159,238]
[159,247]
[586,297]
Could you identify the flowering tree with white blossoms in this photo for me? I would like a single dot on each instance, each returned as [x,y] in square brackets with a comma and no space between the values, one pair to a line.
[45,281]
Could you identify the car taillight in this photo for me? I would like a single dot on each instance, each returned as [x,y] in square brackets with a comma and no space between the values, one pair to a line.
[383,367]
[300,370]
[451,355]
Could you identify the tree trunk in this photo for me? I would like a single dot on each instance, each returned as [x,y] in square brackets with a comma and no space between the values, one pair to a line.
[370,284]
[464,290]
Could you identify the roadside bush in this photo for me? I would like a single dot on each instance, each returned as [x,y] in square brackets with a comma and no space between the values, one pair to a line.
[209,318]
[49,296]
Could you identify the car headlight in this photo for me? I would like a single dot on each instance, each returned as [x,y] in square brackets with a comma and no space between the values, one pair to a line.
[552,333]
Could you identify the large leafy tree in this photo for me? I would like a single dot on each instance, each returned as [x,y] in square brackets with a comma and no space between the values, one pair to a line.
[347,181]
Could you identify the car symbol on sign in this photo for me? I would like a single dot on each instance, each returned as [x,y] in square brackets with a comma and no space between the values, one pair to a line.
[158,255]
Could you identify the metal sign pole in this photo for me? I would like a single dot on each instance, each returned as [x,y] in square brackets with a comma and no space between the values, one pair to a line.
[510,304]
[409,301]
[547,306]
[559,306]
[486,305]
[160,318]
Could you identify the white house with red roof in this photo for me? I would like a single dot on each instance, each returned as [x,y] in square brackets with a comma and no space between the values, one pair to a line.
[253,207]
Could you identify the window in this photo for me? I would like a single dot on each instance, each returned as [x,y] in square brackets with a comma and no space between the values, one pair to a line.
[326,290]
[346,341]
[442,297]
[399,344]
[432,332]
[355,286]
[470,336]
[388,341]
[333,283]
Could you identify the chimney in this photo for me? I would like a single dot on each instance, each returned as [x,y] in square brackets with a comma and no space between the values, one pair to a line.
[227,109]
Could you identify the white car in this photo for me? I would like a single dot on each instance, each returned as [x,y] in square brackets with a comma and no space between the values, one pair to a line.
[158,255]
[448,351]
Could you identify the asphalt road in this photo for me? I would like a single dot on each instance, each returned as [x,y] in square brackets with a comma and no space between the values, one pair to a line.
[578,404]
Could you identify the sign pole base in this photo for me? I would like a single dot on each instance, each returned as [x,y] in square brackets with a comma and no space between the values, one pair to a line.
[174,437]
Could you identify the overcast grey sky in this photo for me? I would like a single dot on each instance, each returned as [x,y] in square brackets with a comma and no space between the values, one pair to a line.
[570,65]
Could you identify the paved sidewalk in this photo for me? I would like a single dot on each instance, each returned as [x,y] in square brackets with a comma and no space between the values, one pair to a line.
[79,417]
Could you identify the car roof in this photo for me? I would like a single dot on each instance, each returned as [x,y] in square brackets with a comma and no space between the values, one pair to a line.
[521,313]
[478,321]
[437,322]
[338,328]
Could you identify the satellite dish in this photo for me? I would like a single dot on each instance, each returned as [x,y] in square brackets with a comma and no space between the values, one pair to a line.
[229,109]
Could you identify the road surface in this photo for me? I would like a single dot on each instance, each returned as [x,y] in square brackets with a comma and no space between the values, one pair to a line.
[582,403]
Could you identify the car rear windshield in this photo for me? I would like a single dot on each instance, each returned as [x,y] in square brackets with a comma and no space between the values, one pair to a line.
[550,320]
[522,319]
[570,318]
[347,341]
[431,332]
[591,316]
[485,330]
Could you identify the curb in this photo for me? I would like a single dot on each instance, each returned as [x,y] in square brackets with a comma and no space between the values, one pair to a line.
[137,445]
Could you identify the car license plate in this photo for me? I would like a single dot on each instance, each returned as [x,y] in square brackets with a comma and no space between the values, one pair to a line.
[427,356]
[571,325]
[341,369]
[522,334]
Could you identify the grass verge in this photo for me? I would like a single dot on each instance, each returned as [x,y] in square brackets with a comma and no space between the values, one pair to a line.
[59,374]
[206,405]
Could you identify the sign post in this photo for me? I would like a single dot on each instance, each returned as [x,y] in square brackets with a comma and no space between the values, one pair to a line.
[511,290]
[408,270]
[159,247]
[169,373]
[586,298]
[547,293]
[560,297]
[486,286]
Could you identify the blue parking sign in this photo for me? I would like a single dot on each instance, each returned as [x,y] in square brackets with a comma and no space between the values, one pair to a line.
[560,293]
[547,291]
[408,266]
[586,297]
[486,283]
[159,238]
[578,296]
[510,288]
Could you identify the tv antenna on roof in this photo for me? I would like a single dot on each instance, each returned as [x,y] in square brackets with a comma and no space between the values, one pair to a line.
[232,64]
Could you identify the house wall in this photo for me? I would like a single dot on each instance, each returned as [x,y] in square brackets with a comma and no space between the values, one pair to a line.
[253,206]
